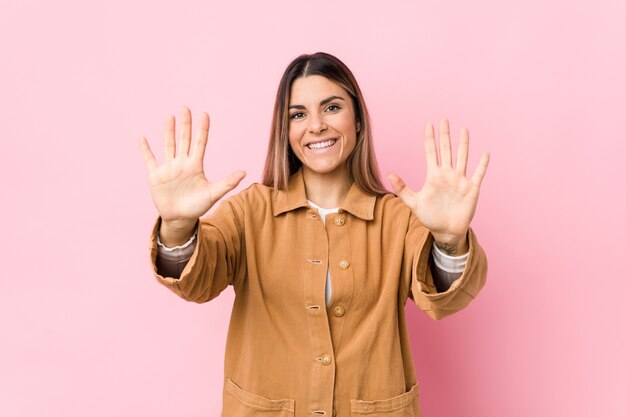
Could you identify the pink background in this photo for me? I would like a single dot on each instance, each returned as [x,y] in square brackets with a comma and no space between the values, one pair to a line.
[87,331]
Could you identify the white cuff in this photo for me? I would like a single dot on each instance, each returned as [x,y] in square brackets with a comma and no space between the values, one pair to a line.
[165,248]
[449,263]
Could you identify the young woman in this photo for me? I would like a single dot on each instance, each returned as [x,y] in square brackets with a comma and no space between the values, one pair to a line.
[321,257]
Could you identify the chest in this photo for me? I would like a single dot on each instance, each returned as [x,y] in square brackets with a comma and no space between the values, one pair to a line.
[288,260]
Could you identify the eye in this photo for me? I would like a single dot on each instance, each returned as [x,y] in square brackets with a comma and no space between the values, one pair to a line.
[333,107]
[298,115]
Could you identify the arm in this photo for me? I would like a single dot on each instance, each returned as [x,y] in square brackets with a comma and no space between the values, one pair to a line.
[217,259]
[181,194]
[443,210]
[422,284]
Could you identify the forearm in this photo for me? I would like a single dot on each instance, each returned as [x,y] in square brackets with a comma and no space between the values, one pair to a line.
[439,302]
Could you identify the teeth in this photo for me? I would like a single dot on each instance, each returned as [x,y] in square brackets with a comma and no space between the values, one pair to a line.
[322,145]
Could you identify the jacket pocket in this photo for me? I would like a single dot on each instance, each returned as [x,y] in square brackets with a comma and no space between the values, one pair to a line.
[241,403]
[403,405]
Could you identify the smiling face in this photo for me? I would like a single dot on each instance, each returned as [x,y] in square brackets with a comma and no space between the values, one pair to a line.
[322,127]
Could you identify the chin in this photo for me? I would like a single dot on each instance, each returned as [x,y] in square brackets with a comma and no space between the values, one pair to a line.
[323,168]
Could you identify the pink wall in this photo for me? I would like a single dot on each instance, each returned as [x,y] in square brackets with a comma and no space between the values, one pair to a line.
[86,331]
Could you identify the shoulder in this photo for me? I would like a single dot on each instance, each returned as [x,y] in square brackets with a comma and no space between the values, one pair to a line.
[247,206]
[391,209]
[254,200]
[256,193]
[389,205]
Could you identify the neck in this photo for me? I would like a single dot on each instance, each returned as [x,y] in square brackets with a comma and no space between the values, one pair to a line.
[326,190]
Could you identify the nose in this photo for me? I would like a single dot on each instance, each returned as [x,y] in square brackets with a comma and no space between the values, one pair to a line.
[316,124]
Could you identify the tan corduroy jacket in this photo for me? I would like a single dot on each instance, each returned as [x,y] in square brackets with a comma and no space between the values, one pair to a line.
[287,353]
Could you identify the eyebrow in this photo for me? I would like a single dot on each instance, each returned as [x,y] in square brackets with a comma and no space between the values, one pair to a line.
[326,100]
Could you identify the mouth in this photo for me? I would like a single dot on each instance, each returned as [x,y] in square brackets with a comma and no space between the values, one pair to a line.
[322,145]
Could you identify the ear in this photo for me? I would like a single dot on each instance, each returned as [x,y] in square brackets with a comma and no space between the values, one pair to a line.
[358,126]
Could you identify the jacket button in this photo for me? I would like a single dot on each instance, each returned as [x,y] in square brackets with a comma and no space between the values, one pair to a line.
[343,264]
[339,311]
[339,221]
[326,359]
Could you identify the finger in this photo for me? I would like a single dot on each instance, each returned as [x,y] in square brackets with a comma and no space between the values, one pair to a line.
[481,169]
[235,178]
[430,149]
[399,187]
[462,152]
[147,154]
[227,184]
[445,149]
[170,139]
[201,138]
[185,133]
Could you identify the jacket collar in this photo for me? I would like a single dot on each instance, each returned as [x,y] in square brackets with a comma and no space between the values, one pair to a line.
[356,201]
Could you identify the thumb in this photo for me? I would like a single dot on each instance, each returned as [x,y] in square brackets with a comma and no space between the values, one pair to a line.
[228,184]
[399,187]
[234,179]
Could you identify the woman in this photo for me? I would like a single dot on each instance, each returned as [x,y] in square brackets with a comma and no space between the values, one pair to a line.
[321,257]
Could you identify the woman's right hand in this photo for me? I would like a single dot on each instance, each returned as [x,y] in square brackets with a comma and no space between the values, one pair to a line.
[180,191]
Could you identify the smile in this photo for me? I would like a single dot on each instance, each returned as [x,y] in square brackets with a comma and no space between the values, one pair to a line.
[322,145]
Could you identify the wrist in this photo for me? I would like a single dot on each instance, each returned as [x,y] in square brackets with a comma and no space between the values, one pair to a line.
[175,233]
[452,245]
[178,225]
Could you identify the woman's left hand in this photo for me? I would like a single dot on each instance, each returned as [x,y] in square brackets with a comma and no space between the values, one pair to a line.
[447,201]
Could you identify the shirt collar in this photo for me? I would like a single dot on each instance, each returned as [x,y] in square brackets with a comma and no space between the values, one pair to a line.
[356,201]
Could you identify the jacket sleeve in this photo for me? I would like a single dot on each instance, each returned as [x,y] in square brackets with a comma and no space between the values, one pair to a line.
[218,259]
[422,288]
[170,262]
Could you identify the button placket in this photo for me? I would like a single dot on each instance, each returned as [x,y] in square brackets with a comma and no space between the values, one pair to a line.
[339,232]
[321,390]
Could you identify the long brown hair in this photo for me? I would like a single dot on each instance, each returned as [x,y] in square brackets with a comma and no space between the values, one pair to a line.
[281,162]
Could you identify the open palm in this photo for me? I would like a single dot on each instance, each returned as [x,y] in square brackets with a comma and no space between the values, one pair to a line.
[179,188]
[447,201]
